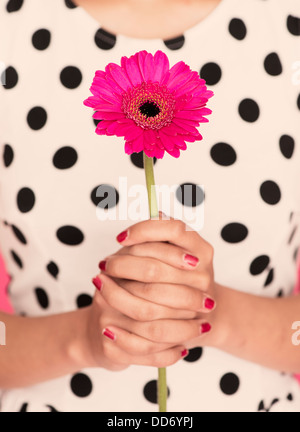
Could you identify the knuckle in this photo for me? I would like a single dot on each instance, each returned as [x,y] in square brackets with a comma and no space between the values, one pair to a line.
[156,332]
[205,281]
[178,227]
[209,252]
[134,249]
[151,271]
[165,359]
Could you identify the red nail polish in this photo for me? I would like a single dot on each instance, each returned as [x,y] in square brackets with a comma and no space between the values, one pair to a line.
[191,260]
[98,283]
[122,236]
[205,327]
[209,303]
[184,353]
[108,333]
[102,265]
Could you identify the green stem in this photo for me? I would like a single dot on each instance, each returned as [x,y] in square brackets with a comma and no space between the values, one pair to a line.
[153,209]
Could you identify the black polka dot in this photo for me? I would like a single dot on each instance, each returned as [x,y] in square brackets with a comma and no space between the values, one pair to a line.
[287,145]
[24,407]
[190,194]
[223,154]
[150,391]
[237,28]
[259,264]
[96,122]
[81,385]
[41,297]
[280,293]
[270,192]
[70,4]
[104,39]
[14,5]
[9,78]
[272,64]
[270,278]
[37,118]
[298,101]
[16,259]
[295,254]
[290,397]
[194,354]
[20,236]
[211,73]
[53,269]
[293,25]
[41,39]
[234,232]
[51,408]
[8,155]
[65,157]
[105,196]
[70,235]
[138,160]
[229,383]
[71,77]
[83,300]
[175,43]
[25,199]
[292,234]
[249,110]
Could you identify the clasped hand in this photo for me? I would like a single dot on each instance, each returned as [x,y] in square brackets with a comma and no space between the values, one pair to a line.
[155,296]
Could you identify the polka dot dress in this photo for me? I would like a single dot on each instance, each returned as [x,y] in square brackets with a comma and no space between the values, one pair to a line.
[65,193]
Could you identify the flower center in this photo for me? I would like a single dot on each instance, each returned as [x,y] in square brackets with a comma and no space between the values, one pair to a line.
[149,109]
[150,105]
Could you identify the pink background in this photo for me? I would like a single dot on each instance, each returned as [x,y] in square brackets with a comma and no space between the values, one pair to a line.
[4,303]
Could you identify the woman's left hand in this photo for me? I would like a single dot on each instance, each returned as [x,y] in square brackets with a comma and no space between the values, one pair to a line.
[166,263]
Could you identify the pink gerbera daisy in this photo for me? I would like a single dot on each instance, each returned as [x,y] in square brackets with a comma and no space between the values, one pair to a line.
[155,108]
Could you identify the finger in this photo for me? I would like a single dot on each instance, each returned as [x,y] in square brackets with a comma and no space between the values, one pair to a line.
[185,299]
[152,270]
[175,332]
[172,230]
[113,350]
[132,344]
[166,252]
[135,307]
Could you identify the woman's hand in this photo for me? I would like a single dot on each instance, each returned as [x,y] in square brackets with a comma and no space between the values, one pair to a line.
[156,293]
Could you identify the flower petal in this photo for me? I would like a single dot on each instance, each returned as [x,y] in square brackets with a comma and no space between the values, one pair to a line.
[102,115]
[185,126]
[132,70]
[138,143]
[161,67]
[148,67]
[140,60]
[118,75]
[166,140]
[128,147]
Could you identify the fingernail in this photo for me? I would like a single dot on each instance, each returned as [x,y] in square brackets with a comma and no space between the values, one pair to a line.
[109,334]
[209,303]
[184,353]
[122,236]
[102,265]
[191,260]
[205,327]
[98,283]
